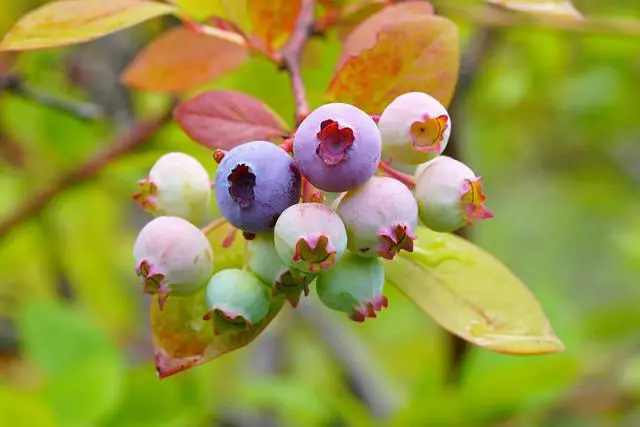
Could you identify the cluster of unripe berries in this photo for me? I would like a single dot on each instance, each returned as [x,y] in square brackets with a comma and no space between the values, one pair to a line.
[294,243]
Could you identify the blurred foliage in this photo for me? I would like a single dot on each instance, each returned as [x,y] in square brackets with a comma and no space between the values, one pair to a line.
[551,123]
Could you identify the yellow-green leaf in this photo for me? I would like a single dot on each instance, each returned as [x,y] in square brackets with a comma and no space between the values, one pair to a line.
[183,340]
[417,53]
[67,22]
[558,8]
[201,9]
[473,295]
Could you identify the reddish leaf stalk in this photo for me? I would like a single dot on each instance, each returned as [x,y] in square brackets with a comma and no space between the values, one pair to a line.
[139,134]
[213,225]
[400,176]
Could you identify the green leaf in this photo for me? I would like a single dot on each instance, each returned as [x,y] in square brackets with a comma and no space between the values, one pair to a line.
[87,392]
[57,337]
[473,295]
[557,8]
[20,409]
[67,22]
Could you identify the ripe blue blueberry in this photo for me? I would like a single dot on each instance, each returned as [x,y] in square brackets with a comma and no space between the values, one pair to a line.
[337,147]
[236,299]
[415,127]
[354,286]
[310,237]
[177,185]
[254,183]
[264,261]
[173,257]
[449,195]
[380,217]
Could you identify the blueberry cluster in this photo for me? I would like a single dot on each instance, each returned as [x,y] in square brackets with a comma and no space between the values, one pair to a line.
[277,197]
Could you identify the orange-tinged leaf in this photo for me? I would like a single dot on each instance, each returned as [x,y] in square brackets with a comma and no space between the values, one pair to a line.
[183,340]
[273,21]
[180,60]
[223,119]
[420,53]
[67,22]
[556,8]
[472,294]
[364,36]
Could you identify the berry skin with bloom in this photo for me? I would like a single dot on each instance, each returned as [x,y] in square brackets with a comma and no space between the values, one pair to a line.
[264,262]
[177,185]
[354,286]
[254,183]
[337,147]
[173,257]
[310,237]
[236,299]
[449,196]
[415,127]
[380,217]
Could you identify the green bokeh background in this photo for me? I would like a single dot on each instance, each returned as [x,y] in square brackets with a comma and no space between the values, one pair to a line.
[551,123]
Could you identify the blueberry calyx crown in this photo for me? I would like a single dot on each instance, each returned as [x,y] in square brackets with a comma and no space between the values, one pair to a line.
[427,135]
[316,250]
[242,183]
[394,239]
[335,142]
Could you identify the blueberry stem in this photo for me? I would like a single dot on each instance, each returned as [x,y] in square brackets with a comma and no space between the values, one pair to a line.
[213,225]
[400,176]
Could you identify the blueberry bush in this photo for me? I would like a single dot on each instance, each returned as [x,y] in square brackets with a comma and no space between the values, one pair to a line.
[336,201]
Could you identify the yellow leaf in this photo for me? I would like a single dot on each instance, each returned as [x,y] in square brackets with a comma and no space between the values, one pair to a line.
[201,9]
[472,294]
[273,21]
[417,53]
[67,22]
[180,60]
[558,8]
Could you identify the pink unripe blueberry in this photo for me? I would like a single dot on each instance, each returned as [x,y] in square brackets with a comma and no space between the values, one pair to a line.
[177,185]
[354,286]
[263,260]
[449,195]
[380,217]
[237,300]
[173,257]
[415,127]
[310,237]
[337,147]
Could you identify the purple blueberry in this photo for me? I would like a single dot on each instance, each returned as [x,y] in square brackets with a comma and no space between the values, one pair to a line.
[254,183]
[337,147]
[310,237]
[354,286]
[380,217]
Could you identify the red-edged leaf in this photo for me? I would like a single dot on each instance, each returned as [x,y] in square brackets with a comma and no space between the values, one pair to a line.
[183,340]
[181,60]
[223,119]
[364,36]
[417,53]
[273,21]
[71,21]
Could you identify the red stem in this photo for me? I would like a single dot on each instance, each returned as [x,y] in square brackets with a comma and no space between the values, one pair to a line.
[400,176]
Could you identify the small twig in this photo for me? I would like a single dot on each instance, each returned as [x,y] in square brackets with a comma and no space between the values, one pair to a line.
[81,110]
[292,54]
[89,169]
